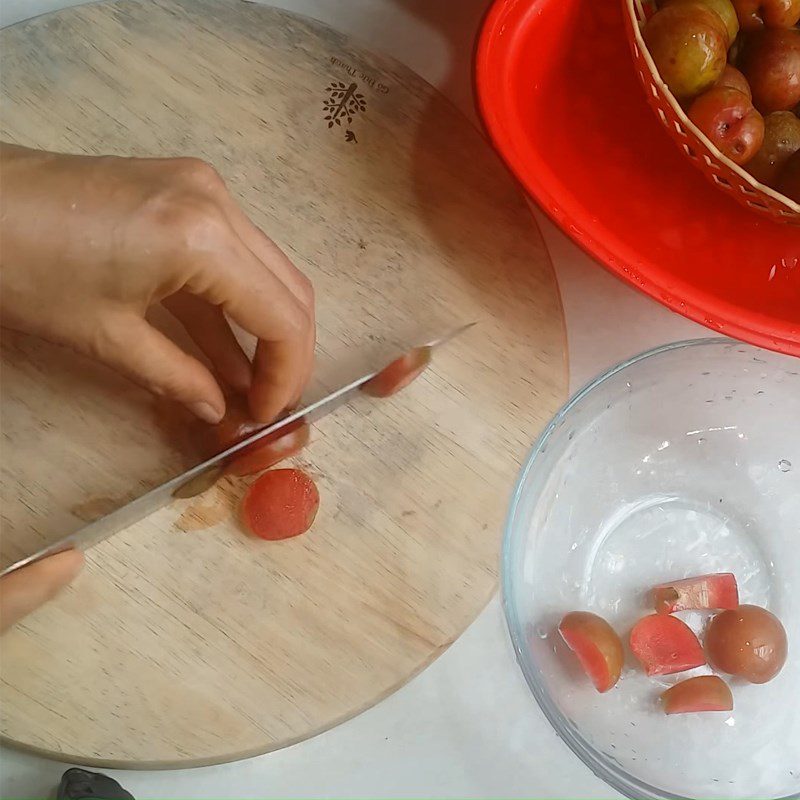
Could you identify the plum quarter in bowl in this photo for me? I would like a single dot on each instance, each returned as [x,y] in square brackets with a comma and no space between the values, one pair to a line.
[682,461]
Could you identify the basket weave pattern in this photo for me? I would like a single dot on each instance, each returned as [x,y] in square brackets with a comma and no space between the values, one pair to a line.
[726,175]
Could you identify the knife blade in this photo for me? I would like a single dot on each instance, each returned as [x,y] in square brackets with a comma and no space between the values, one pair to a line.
[203,476]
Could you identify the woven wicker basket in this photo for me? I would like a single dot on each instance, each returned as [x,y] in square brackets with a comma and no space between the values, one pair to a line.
[727,176]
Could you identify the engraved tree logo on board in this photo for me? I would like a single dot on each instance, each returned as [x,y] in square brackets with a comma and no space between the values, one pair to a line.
[343,103]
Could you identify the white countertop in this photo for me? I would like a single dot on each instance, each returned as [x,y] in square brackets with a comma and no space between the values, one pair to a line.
[467,726]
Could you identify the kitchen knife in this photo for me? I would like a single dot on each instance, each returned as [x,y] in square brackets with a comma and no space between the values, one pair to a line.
[197,479]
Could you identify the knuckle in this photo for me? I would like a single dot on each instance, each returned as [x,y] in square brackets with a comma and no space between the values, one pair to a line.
[199,174]
[306,291]
[105,340]
[183,209]
[192,224]
[201,226]
[298,321]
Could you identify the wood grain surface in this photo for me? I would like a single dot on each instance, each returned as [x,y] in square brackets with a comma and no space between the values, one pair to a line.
[185,641]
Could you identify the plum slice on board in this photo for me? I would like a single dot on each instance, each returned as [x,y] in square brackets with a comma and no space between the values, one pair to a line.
[397,375]
[280,504]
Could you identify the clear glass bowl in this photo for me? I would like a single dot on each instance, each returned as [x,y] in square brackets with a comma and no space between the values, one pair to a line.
[682,461]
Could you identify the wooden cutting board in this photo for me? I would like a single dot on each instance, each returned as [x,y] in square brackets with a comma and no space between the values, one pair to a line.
[185,641]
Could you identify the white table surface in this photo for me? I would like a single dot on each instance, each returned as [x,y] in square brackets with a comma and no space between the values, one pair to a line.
[467,726]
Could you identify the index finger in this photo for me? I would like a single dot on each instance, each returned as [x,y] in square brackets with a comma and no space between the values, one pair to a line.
[253,296]
[269,253]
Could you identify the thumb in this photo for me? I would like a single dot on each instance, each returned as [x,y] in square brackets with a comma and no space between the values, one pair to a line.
[133,347]
[24,590]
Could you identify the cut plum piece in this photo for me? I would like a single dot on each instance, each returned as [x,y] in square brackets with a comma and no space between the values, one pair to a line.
[271,450]
[237,424]
[399,373]
[596,645]
[704,693]
[664,644]
[718,591]
[280,504]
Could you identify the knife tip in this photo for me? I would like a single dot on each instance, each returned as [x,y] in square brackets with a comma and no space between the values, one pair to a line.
[452,335]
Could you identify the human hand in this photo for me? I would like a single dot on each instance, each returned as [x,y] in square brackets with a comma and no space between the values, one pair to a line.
[90,243]
[25,589]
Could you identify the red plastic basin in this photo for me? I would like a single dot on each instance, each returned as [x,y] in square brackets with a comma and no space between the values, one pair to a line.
[560,99]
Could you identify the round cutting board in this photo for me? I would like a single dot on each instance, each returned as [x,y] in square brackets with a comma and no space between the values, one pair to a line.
[185,641]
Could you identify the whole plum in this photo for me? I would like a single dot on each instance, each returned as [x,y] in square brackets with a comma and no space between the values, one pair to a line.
[789,178]
[781,142]
[733,79]
[755,14]
[727,117]
[770,60]
[688,43]
[726,12]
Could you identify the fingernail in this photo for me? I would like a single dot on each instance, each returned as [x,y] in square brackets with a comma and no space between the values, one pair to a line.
[206,412]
